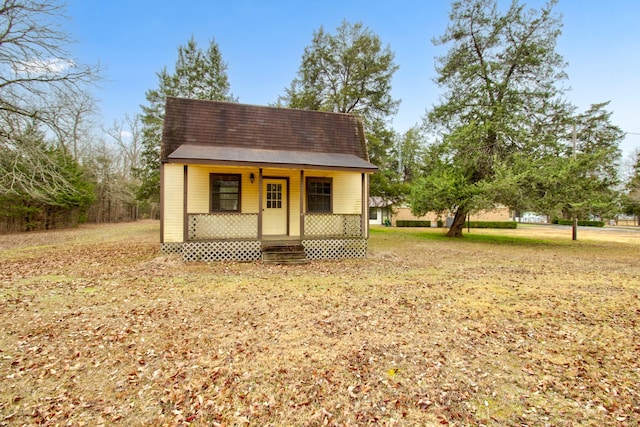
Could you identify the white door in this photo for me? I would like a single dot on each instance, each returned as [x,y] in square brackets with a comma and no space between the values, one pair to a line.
[274,207]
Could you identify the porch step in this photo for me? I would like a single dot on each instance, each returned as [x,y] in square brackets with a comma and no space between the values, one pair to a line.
[286,252]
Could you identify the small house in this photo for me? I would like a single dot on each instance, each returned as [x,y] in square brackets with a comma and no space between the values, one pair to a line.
[380,211]
[239,181]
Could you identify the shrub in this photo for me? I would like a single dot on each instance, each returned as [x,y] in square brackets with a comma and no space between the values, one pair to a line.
[582,223]
[472,224]
[412,223]
[491,224]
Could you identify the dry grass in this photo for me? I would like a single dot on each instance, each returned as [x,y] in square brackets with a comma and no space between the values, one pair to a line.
[518,327]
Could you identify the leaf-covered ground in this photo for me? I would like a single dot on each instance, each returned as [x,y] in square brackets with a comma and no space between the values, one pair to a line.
[519,327]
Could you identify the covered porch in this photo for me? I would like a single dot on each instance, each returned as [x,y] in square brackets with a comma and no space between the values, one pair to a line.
[236,237]
[243,235]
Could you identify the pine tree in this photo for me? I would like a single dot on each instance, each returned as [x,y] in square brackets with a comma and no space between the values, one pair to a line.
[197,75]
[501,109]
[632,196]
[350,72]
[346,72]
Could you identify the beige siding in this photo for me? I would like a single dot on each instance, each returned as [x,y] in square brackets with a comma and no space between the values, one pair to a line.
[198,189]
[173,202]
[294,203]
[347,193]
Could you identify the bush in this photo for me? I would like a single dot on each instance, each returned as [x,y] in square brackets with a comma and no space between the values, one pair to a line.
[491,224]
[413,223]
[582,223]
[472,224]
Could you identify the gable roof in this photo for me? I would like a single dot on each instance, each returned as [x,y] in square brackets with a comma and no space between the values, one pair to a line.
[212,132]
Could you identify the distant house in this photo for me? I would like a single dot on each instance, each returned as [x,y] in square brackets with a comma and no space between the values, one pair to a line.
[236,179]
[500,213]
[380,211]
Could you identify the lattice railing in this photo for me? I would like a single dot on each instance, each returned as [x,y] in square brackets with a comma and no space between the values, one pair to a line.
[223,226]
[335,248]
[237,250]
[332,225]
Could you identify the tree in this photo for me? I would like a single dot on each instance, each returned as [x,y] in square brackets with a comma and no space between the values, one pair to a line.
[398,158]
[348,72]
[595,156]
[408,154]
[126,133]
[632,196]
[40,184]
[501,109]
[575,178]
[197,75]
[112,162]
[42,93]
[35,66]
[385,182]
[71,120]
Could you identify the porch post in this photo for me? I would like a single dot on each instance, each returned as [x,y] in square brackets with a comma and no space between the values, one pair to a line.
[302,188]
[365,207]
[162,202]
[185,204]
[260,204]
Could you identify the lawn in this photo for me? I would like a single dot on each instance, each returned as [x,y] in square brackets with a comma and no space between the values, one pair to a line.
[510,327]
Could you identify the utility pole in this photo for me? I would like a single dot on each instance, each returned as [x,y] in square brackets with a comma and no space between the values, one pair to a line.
[575,216]
[400,158]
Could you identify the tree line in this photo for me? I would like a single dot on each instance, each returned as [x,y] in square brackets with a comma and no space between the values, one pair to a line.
[502,133]
[56,168]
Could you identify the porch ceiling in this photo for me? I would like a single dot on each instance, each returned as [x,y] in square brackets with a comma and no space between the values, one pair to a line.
[238,156]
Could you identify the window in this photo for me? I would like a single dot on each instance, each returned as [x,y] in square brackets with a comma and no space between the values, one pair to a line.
[274,196]
[225,193]
[373,213]
[318,195]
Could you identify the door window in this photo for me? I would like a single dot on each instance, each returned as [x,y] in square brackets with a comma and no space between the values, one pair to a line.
[274,196]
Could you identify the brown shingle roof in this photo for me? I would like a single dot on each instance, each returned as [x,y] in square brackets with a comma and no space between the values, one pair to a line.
[195,123]
[208,154]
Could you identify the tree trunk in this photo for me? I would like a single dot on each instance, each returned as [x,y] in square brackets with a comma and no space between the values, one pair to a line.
[458,223]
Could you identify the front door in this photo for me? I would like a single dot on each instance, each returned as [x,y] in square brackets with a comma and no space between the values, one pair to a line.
[274,207]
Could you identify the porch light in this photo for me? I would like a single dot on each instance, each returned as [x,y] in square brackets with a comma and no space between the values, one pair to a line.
[252,177]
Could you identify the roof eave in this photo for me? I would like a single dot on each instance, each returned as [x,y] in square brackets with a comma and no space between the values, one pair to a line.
[297,166]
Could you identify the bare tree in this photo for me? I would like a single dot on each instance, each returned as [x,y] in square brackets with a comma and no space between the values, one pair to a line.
[44,111]
[112,161]
[127,135]
[71,119]
[35,66]
[31,170]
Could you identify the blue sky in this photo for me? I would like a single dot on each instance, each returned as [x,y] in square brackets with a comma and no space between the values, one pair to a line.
[262,43]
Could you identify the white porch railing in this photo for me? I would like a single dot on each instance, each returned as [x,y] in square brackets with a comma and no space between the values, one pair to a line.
[223,226]
[245,226]
[332,225]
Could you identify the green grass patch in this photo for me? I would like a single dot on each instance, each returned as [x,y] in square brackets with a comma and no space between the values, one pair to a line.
[509,240]
[492,238]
